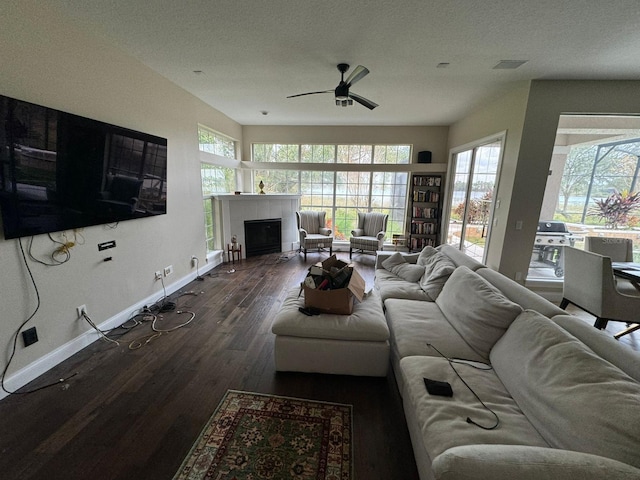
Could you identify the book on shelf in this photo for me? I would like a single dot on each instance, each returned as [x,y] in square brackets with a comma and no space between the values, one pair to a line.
[423,228]
[424,212]
[426,196]
[424,181]
[420,243]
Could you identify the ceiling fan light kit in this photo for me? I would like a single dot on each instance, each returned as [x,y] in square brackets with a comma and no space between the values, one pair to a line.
[341,93]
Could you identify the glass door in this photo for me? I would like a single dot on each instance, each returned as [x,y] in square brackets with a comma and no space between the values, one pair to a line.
[472,185]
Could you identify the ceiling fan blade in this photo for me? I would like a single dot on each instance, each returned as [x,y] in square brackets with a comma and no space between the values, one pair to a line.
[358,74]
[363,101]
[310,93]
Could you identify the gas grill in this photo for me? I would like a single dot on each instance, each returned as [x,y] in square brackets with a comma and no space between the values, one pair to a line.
[551,238]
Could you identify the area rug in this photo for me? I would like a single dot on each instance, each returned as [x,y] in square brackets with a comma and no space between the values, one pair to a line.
[252,436]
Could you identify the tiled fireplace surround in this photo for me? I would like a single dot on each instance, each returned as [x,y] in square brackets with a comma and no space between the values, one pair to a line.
[233,210]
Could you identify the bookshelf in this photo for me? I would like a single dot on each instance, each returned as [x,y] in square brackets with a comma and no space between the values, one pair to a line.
[425,211]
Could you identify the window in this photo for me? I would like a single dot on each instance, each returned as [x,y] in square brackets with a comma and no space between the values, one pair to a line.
[215,178]
[342,194]
[475,171]
[216,143]
[592,188]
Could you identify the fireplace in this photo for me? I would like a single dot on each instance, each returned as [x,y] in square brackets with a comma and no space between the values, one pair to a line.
[263,236]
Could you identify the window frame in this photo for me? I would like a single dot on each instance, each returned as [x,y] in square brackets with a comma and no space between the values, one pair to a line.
[371,170]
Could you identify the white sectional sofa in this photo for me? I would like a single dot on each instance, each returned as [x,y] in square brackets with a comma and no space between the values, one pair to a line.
[565,397]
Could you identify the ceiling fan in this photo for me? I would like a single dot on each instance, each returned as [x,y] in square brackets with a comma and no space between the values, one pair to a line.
[342,94]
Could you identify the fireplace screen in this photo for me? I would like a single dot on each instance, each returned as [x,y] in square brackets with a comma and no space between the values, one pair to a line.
[263,236]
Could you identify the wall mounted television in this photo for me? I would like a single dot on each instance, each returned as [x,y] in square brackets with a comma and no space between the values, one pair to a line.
[60,171]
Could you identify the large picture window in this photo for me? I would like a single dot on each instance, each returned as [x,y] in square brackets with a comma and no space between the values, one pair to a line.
[218,150]
[341,193]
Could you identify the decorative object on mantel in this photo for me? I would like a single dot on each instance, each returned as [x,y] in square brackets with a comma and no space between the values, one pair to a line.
[261,185]
[237,192]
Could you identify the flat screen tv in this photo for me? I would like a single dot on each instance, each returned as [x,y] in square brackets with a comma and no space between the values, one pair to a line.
[60,171]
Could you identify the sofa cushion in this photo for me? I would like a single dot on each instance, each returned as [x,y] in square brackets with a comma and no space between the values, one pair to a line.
[397,265]
[367,322]
[437,269]
[602,343]
[390,285]
[506,462]
[425,253]
[519,293]
[575,399]
[476,309]
[414,323]
[442,420]
[459,258]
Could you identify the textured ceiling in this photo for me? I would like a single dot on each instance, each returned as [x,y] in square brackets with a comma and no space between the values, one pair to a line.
[253,54]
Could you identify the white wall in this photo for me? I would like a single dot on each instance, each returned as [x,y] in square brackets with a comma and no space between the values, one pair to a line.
[47,61]
[505,113]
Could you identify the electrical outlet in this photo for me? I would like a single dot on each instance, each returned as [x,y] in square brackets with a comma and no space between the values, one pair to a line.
[30,336]
[168,270]
[158,275]
[194,261]
[81,310]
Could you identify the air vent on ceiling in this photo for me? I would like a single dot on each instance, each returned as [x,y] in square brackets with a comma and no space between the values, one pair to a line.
[509,64]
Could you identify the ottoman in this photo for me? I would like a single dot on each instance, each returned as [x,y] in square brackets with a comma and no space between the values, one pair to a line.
[356,344]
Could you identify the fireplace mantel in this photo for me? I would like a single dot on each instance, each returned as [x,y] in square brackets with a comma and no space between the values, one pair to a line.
[232,211]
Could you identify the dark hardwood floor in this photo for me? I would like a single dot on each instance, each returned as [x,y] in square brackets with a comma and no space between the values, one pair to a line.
[134,414]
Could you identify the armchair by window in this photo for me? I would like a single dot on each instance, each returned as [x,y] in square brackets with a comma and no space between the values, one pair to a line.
[369,235]
[590,285]
[313,231]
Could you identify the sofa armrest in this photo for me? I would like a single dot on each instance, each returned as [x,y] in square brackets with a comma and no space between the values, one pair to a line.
[381,235]
[506,462]
[303,233]
[325,231]
[357,232]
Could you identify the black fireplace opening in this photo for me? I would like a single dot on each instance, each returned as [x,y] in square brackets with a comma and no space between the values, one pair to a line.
[263,236]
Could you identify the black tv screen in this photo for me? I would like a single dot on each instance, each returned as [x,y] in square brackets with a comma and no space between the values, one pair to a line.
[60,171]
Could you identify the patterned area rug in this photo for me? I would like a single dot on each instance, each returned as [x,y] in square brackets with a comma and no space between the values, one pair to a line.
[253,436]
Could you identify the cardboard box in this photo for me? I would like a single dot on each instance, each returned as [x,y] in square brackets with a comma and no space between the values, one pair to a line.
[338,301]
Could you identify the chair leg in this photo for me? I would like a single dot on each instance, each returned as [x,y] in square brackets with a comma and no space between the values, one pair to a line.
[330,251]
[564,303]
[350,252]
[630,328]
[601,323]
[305,254]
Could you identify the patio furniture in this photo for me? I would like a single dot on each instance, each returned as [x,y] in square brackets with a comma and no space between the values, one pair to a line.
[618,250]
[589,284]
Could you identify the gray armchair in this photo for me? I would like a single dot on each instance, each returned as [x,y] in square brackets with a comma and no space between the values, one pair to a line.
[618,250]
[370,233]
[313,231]
[589,284]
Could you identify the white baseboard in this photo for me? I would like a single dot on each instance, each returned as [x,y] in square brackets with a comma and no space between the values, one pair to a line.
[45,363]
